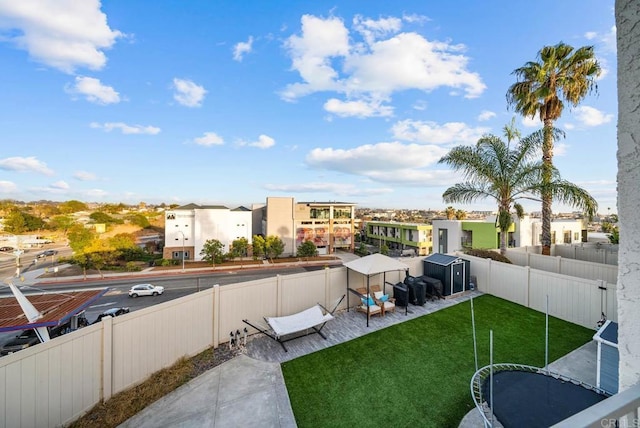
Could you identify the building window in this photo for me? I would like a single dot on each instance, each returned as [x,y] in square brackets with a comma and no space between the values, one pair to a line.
[322,213]
[341,213]
[442,241]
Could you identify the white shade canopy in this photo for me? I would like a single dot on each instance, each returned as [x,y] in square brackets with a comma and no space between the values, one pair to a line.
[375,263]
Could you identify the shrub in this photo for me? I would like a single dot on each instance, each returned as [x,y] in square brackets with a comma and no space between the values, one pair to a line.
[488,254]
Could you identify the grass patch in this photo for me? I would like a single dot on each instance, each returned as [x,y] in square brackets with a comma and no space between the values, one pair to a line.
[417,373]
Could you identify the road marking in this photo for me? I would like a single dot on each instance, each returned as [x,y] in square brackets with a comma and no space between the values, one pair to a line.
[102,304]
[113,292]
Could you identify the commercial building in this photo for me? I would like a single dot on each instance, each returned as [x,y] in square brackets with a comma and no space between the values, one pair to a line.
[329,225]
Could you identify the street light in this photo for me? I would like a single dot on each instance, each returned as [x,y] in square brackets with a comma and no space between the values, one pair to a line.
[183,239]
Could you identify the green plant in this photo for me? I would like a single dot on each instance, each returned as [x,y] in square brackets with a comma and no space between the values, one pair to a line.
[419,369]
[307,249]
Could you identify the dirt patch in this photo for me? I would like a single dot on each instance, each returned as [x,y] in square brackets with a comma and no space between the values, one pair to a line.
[126,404]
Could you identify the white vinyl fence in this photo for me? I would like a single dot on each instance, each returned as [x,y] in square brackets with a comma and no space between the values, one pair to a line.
[565,266]
[54,383]
[577,300]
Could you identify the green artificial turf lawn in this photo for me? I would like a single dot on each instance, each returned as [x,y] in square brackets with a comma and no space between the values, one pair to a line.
[417,373]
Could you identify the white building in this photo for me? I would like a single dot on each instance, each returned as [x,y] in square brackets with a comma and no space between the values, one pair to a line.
[188,227]
[454,235]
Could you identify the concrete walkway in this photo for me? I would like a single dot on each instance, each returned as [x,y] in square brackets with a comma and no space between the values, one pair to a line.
[242,392]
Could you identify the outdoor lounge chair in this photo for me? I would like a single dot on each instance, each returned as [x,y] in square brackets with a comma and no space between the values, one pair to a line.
[388,304]
[368,305]
[304,323]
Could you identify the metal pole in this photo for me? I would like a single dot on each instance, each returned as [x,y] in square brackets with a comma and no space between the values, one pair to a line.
[546,337]
[491,372]
[473,326]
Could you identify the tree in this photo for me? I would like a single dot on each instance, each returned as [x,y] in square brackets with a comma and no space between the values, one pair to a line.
[461,214]
[561,75]
[15,223]
[307,249]
[384,250]
[139,220]
[450,213]
[494,170]
[259,245]
[72,206]
[274,247]
[212,251]
[62,223]
[614,237]
[239,247]
[100,217]
[79,237]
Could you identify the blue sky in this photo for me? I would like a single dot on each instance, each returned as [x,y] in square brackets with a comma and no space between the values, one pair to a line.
[229,102]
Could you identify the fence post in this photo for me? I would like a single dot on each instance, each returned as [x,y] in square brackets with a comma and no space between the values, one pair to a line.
[107,357]
[558,264]
[279,295]
[216,316]
[327,287]
[528,285]
[488,280]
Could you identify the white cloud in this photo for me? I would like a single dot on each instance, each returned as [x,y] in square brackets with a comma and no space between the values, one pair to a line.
[209,139]
[7,186]
[372,29]
[560,149]
[420,105]
[433,133]
[360,108]
[94,91]
[327,59]
[188,93]
[590,116]
[370,159]
[59,185]
[569,126]
[96,193]
[606,40]
[28,164]
[264,142]
[64,34]
[532,122]
[311,55]
[341,189]
[485,115]
[242,48]
[126,129]
[84,176]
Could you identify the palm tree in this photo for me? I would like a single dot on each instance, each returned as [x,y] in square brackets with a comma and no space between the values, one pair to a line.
[450,212]
[561,75]
[494,170]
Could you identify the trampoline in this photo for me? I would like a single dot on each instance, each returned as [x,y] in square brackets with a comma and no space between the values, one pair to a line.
[530,396]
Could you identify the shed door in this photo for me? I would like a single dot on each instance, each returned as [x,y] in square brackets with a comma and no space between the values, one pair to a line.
[457,277]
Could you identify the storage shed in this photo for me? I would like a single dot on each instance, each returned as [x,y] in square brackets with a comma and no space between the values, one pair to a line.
[608,358]
[452,271]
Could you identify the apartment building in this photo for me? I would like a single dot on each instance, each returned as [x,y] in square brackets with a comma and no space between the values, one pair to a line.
[454,235]
[408,238]
[188,227]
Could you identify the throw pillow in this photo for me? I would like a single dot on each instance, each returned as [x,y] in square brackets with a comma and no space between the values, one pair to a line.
[384,298]
[378,294]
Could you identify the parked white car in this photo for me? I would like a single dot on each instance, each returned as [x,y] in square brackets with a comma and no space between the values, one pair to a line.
[146,290]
